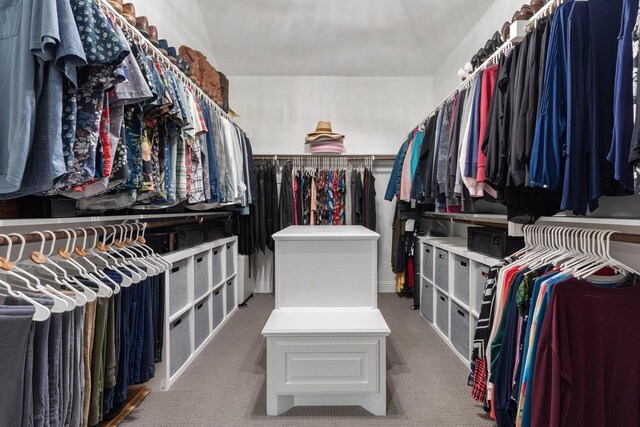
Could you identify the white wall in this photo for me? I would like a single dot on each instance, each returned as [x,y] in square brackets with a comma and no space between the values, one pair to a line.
[445,76]
[180,22]
[375,113]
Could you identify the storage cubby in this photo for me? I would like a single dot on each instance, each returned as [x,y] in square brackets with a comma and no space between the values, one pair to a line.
[218,306]
[231,295]
[216,266]
[202,315]
[460,329]
[426,300]
[453,300]
[427,261]
[442,312]
[201,274]
[230,259]
[461,278]
[178,284]
[442,270]
[195,305]
[180,336]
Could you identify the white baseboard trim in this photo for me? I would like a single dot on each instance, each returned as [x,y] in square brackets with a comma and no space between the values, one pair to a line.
[386,287]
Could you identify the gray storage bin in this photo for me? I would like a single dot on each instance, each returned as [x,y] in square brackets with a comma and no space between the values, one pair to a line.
[216,266]
[201,318]
[180,336]
[178,286]
[461,278]
[231,293]
[460,329]
[426,301]
[442,269]
[442,312]
[218,306]
[482,273]
[427,261]
[201,274]
[231,259]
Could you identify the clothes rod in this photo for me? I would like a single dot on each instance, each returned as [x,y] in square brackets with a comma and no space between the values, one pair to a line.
[374,157]
[80,231]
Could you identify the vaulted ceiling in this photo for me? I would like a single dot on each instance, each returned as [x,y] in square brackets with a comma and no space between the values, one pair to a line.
[336,37]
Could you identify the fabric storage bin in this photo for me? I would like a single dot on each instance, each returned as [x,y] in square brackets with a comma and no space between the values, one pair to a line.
[180,342]
[216,266]
[201,318]
[442,312]
[427,261]
[442,269]
[231,264]
[178,286]
[460,329]
[201,274]
[426,303]
[461,278]
[231,294]
[482,274]
[218,307]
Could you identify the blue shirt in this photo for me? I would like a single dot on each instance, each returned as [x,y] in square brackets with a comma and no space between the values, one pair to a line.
[396,171]
[471,164]
[548,150]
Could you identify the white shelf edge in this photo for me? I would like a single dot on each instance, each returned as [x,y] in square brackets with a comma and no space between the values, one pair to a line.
[218,286]
[178,314]
[233,276]
[106,218]
[425,278]
[202,298]
[491,218]
[462,305]
[475,314]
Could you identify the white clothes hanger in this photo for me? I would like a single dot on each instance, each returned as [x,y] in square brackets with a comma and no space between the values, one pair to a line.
[41,314]
[61,302]
[120,261]
[80,253]
[133,258]
[104,256]
[36,264]
[142,241]
[140,256]
[64,259]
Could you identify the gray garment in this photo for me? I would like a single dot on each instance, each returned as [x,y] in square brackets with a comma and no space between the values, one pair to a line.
[39,42]
[77,382]
[431,189]
[222,163]
[441,155]
[348,198]
[464,124]
[68,326]
[55,369]
[16,353]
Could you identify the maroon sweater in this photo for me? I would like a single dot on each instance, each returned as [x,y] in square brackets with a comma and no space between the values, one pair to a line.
[587,370]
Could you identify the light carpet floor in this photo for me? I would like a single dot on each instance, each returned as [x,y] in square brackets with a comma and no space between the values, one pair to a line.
[226,384]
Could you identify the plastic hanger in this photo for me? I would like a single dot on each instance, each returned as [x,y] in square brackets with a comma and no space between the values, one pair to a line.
[80,253]
[41,314]
[40,265]
[61,302]
[121,261]
[43,287]
[63,257]
[160,264]
[142,242]
[100,251]
[143,257]
[133,258]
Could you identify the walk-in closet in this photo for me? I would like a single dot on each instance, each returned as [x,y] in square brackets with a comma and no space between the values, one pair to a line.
[319,213]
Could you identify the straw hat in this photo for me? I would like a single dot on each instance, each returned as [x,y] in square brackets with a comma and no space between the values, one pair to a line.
[323,131]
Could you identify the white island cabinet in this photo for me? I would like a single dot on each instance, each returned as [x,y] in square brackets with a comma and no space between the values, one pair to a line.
[326,339]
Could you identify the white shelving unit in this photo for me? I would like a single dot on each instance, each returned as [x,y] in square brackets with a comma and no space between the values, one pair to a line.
[451,290]
[200,296]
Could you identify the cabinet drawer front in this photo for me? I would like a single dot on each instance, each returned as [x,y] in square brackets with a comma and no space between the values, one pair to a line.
[327,366]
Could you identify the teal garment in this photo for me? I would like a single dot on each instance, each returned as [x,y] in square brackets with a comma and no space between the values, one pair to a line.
[496,344]
[415,152]
[527,360]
